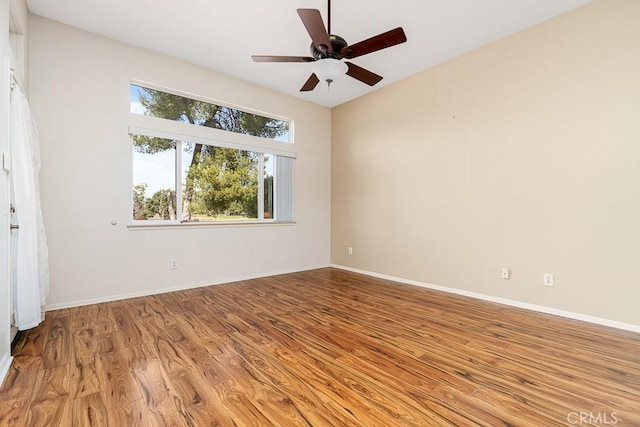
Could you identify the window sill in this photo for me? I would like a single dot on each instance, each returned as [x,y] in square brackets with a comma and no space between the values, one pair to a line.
[136,226]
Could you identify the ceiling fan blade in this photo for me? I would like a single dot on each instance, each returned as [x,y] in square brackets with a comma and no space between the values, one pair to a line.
[312,21]
[381,41]
[365,76]
[310,84]
[270,58]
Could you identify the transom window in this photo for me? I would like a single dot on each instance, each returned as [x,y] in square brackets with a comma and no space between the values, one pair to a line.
[156,103]
[196,161]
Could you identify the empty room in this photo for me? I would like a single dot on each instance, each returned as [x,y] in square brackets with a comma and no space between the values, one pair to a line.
[320,213]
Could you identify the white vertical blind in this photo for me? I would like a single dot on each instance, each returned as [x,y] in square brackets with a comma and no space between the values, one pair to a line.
[284,188]
[261,187]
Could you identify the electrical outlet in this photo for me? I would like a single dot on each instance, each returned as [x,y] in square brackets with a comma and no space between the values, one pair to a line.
[350,250]
[505,273]
[548,279]
[174,264]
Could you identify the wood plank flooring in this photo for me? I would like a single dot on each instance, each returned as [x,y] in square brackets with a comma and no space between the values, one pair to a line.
[322,348]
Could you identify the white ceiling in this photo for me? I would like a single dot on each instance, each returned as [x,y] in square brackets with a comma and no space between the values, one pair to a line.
[222,35]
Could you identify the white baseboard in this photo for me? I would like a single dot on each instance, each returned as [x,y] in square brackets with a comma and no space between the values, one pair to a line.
[98,300]
[5,364]
[504,301]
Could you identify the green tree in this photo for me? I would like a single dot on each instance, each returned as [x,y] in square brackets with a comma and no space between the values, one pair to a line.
[161,204]
[218,179]
[139,201]
[225,181]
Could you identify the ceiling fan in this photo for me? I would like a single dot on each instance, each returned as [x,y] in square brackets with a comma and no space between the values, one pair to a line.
[328,51]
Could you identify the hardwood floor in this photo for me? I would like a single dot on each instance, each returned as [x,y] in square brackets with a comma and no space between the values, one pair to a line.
[322,348]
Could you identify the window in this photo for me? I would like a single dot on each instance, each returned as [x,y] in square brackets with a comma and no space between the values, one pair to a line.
[196,161]
[155,103]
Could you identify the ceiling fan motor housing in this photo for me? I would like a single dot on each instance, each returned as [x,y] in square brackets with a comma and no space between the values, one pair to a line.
[337,44]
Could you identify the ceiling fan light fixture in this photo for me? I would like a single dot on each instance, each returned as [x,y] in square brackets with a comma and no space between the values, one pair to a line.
[329,69]
[327,51]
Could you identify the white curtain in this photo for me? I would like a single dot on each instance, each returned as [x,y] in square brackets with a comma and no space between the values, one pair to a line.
[31,272]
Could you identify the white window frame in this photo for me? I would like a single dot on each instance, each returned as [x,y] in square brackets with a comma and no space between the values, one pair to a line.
[180,132]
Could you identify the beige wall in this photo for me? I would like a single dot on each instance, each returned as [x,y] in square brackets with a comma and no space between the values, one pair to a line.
[80,99]
[522,154]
